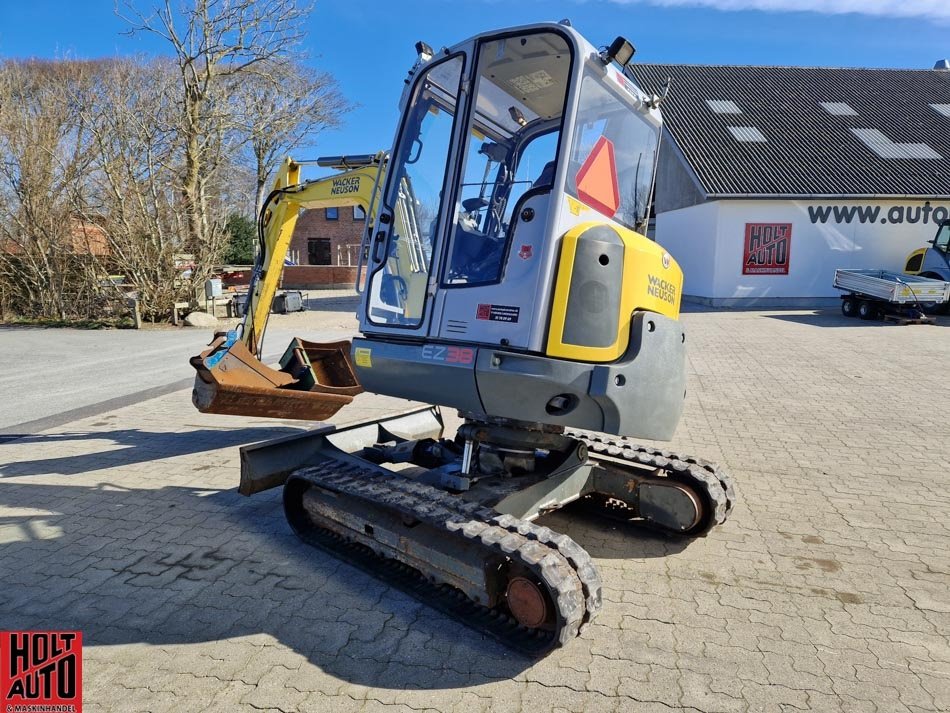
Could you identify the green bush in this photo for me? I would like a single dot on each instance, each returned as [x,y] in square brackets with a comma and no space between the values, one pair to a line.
[242,237]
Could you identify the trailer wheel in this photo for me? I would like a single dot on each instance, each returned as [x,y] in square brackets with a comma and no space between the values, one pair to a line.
[849,307]
[867,310]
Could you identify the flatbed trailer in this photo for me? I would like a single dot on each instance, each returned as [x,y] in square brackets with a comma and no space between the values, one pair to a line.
[881,294]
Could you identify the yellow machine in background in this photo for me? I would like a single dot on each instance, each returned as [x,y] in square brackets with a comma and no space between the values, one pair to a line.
[932,262]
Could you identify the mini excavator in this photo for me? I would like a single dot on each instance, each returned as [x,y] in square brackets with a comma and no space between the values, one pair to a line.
[507,277]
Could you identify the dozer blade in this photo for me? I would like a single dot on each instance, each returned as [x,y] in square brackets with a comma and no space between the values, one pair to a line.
[268,465]
[314,381]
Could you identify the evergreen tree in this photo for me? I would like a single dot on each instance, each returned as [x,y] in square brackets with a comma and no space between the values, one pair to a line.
[242,235]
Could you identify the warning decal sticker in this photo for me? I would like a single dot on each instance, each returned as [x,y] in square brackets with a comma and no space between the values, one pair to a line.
[597,179]
[364,357]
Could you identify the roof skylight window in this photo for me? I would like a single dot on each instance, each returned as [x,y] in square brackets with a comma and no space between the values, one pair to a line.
[747,134]
[885,148]
[723,106]
[838,108]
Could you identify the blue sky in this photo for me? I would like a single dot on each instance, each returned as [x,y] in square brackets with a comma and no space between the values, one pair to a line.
[368,44]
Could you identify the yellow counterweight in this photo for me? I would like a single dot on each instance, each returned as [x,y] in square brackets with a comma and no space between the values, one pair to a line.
[590,285]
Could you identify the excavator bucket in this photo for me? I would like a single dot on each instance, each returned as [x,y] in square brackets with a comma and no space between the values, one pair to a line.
[313,383]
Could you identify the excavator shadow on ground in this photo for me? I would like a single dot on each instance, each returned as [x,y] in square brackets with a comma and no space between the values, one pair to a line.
[135,446]
[177,565]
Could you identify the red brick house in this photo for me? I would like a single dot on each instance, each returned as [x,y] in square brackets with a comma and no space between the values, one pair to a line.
[325,248]
[84,238]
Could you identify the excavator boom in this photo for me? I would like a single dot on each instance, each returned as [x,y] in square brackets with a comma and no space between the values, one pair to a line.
[314,380]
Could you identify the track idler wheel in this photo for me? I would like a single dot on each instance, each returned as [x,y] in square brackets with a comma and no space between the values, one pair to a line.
[528,603]
[670,506]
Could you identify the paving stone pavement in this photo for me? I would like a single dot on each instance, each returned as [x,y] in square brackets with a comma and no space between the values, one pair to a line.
[828,590]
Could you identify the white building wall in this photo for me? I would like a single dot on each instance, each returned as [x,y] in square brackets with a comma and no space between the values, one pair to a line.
[888,232]
[691,237]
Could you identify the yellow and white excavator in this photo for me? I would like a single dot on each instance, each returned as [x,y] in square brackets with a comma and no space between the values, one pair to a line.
[505,278]
[933,262]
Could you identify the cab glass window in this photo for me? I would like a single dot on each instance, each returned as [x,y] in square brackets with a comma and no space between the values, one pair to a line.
[942,242]
[414,195]
[520,87]
[610,127]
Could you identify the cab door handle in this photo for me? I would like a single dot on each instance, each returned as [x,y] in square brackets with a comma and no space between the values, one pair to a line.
[378,242]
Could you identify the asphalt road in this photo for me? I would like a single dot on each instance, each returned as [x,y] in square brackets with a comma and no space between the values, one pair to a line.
[53,376]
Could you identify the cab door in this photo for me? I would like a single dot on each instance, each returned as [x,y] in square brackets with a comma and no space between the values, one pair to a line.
[499,249]
[405,247]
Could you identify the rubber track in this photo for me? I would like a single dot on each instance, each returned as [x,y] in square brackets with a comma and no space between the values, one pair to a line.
[564,567]
[711,480]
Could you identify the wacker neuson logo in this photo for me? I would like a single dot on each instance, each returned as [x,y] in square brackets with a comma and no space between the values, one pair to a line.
[341,186]
[40,672]
[661,289]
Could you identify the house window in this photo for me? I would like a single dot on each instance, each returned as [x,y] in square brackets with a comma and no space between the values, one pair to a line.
[359,213]
[333,213]
[318,251]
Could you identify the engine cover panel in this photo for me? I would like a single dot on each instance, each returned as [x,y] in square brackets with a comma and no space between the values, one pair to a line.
[640,395]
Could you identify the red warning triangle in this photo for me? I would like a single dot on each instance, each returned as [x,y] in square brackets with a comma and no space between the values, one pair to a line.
[597,179]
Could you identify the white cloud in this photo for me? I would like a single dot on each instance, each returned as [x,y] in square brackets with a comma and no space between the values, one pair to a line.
[932,9]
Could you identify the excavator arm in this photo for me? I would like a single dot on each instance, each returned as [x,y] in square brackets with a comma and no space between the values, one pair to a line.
[314,380]
[355,185]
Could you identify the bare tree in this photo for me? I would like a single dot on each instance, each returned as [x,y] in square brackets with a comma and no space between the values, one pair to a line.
[282,107]
[47,254]
[213,43]
[122,166]
[131,119]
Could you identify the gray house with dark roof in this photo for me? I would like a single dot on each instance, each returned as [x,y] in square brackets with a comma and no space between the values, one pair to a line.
[772,177]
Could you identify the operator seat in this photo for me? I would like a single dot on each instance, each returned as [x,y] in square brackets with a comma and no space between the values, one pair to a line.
[546,178]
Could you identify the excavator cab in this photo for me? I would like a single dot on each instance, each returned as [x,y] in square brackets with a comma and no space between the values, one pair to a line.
[505,276]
